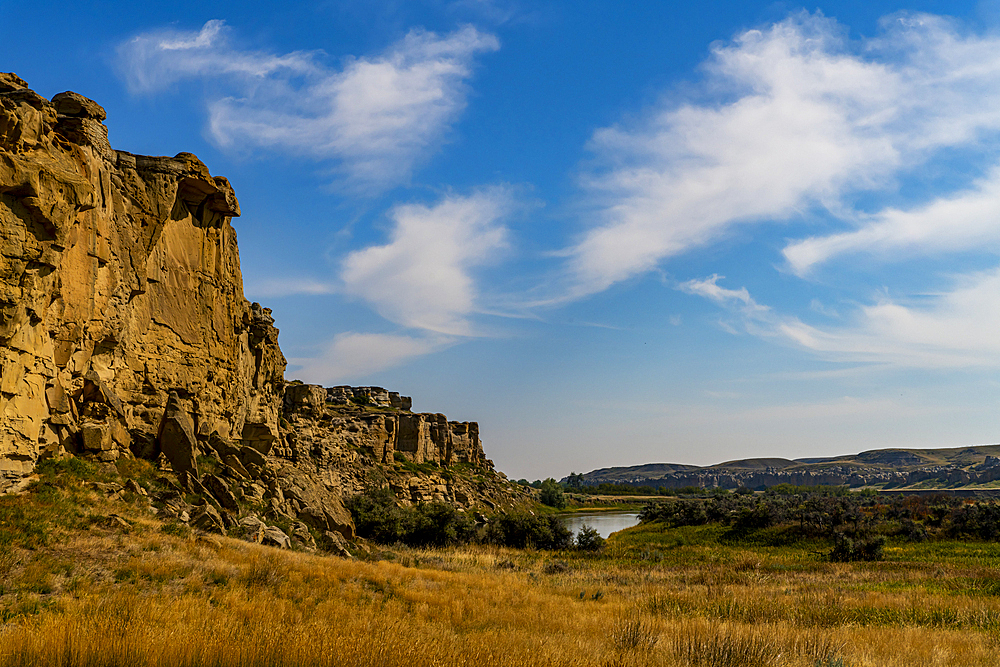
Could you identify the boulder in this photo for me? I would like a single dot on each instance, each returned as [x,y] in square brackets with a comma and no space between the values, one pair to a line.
[133,487]
[335,543]
[235,468]
[307,398]
[221,492]
[253,529]
[176,438]
[76,105]
[301,536]
[276,537]
[95,437]
[314,504]
[207,518]
[251,457]
[94,390]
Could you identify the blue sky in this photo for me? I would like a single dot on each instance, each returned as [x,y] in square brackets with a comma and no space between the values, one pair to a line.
[612,233]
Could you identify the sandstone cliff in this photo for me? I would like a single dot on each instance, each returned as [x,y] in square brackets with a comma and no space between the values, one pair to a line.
[124,331]
[120,283]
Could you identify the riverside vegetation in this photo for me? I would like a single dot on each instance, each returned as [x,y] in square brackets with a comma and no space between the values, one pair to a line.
[92,580]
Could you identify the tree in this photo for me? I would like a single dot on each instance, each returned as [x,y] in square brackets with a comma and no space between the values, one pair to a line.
[552,494]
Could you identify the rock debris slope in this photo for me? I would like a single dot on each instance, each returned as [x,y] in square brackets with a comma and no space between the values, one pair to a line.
[124,331]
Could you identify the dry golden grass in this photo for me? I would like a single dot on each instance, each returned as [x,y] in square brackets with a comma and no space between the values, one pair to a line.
[90,595]
[148,598]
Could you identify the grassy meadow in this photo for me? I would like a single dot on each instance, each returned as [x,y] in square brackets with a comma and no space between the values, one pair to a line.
[91,581]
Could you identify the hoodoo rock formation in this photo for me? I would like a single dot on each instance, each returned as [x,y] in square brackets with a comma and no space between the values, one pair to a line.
[419,438]
[124,331]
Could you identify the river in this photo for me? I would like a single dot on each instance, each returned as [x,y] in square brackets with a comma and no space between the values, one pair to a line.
[604,523]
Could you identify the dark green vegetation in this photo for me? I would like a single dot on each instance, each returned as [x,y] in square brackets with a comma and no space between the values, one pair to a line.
[378,518]
[855,526]
[552,494]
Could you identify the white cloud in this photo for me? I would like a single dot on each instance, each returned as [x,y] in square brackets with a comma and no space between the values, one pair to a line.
[799,118]
[155,60]
[377,117]
[353,355]
[966,220]
[710,289]
[951,329]
[423,278]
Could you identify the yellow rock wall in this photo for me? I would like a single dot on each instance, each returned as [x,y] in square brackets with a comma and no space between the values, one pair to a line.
[119,282]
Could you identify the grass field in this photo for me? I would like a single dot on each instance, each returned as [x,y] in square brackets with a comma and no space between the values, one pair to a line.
[88,591]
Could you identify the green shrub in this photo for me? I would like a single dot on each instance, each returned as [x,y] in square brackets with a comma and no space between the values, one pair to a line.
[588,539]
[522,530]
[71,467]
[552,494]
[377,517]
[439,524]
[863,548]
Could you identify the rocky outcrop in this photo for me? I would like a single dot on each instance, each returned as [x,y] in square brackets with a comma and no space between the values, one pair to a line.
[124,331]
[417,454]
[419,438]
[377,396]
[120,283]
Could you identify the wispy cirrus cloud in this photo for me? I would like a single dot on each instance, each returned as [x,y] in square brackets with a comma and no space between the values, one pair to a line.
[375,117]
[954,328]
[797,117]
[289,286]
[423,278]
[957,222]
[710,289]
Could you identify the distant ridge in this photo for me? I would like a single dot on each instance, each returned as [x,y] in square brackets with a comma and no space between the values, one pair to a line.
[895,468]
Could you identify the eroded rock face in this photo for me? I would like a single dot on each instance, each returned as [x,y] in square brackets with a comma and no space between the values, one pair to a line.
[344,446]
[119,283]
[124,332]
[419,437]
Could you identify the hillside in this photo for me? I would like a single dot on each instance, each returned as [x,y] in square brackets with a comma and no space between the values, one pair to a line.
[889,469]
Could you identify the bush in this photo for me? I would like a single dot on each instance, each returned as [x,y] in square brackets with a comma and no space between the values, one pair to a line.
[377,517]
[522,530]
[439,524]
[676,513]
[866,548]
[588,539]
[760,515]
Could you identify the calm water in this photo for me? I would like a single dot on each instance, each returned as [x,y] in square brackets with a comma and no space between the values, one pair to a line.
[604,522]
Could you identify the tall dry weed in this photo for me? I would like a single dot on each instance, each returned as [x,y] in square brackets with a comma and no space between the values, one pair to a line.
[702,644]
[633,632]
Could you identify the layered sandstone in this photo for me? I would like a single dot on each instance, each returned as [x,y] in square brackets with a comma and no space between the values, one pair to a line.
[416,453]
[124,331]
[120,283]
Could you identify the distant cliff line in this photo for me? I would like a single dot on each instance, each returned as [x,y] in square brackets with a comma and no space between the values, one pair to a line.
[881,468]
